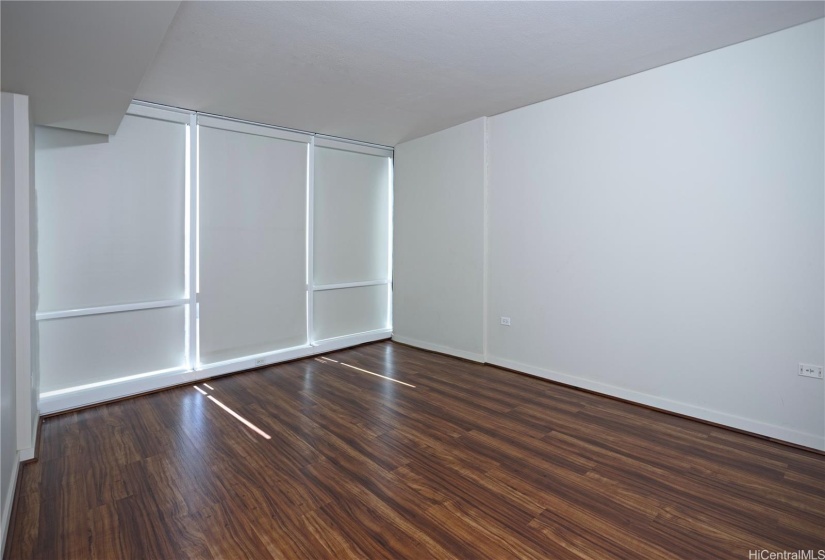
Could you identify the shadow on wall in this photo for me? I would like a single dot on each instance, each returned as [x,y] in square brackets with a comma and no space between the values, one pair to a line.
[61,138]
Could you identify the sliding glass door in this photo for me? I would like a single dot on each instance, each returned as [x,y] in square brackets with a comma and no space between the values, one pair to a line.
[352,213]
[252,247]
[189,243]
[111,249]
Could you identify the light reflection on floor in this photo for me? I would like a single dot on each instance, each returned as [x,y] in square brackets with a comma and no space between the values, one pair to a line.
[388,391]
[378,375]
[234,414]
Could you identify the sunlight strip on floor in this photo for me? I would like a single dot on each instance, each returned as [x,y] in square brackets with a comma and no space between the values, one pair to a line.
[208,386]
[328,359]
[248,424]
[201,391]
[377,375]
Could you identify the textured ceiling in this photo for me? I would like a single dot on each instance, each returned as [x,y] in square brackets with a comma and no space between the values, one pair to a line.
[386,72]
[383,72]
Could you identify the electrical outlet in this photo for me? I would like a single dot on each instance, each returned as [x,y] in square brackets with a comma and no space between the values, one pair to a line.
[260,362]
[808,370]
[505,321]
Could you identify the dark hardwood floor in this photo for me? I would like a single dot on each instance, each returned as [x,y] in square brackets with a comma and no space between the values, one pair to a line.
[471,462]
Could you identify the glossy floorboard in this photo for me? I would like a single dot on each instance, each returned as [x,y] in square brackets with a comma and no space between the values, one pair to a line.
[471,462]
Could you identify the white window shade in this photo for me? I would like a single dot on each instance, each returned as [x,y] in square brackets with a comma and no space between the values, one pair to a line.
[111,216]
[252,245]
[351,216]
[81,350]
[350,311]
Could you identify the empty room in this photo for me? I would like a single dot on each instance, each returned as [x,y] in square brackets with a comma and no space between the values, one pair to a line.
[350,279]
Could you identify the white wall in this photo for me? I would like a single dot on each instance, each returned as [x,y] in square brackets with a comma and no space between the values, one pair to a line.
[8,380]
[25,288]
[438,255]
[18,385]
[661,237]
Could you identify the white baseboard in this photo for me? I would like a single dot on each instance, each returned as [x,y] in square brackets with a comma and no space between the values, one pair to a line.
[28,453]
[723,418]
[438,348]
[4,528]
[119,389]
[59,401]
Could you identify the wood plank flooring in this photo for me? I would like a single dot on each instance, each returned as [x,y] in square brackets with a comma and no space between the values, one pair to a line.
[471,462]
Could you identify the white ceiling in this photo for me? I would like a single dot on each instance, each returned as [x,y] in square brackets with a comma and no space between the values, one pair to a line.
[382,72]
[386,72]
[80,62]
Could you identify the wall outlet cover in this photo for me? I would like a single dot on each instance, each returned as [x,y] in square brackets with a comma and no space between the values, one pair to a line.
[810,370]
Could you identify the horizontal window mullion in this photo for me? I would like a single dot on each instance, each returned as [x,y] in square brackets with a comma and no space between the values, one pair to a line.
[349,285]
[103,309]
